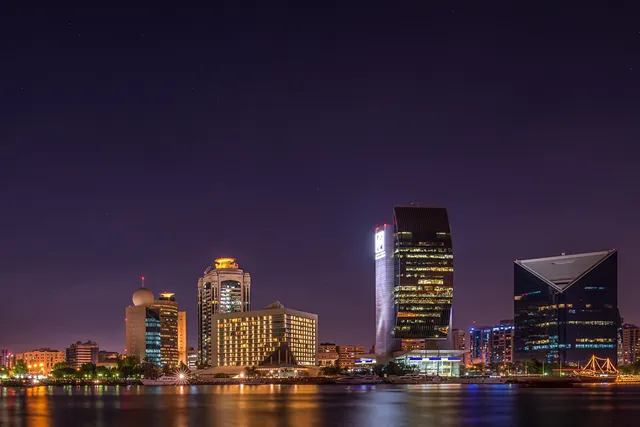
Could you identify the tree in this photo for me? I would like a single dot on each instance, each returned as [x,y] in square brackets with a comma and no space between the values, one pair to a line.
[532,366]
[88,370]
[149,370]
[331,370]
[60,365]
[127,367]
[509,368]
[63,372]
[397,368]
[103,372]
[20,368]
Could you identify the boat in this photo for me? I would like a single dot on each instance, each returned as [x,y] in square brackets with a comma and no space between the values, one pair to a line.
[597,370]
[163,380]
[359,379]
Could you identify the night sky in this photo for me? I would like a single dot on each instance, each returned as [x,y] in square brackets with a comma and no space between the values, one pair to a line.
[151,141]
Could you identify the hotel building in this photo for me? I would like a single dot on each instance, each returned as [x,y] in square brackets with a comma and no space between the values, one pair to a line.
[167,308]
[224,288]
[414,281]
[629,351]
[492,344]
[80,353]
[143,338]
[274,336]
[566,308]
[41,361]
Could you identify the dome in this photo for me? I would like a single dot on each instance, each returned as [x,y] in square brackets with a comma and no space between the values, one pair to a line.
[142,296]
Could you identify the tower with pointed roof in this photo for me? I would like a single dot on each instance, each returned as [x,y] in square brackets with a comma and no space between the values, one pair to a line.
[566,308]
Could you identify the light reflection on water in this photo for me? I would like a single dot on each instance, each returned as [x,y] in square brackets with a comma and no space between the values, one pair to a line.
[312,405]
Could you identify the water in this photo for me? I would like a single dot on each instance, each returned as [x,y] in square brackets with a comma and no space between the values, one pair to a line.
[311,405]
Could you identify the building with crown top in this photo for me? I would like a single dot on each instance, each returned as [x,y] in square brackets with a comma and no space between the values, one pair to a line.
[224,288]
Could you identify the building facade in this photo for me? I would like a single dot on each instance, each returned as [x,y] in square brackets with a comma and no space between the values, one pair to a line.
[327,354]
[414,281]
[167,308]
[192,358]
[41,361]
[566,308]
[142,330]
[224,288]
[182,337]
[348,354]
[629,344]
[4,357]
[492,344]
[80,353]
[252,338]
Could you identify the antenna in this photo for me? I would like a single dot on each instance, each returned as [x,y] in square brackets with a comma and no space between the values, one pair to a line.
[142,281]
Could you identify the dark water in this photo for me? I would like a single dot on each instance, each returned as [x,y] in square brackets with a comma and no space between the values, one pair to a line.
[272,405]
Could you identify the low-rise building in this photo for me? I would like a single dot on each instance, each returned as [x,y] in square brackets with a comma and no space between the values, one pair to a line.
[80,353]
[192,358]
[347,355]
[41,361]
[327,354]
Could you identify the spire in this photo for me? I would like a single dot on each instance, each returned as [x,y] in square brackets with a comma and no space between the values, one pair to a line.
[142,281]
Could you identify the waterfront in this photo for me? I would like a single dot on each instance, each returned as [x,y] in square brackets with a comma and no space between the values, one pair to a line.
[313,405]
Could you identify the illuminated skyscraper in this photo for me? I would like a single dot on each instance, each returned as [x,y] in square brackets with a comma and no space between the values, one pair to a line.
[566,308]
[167,308]
[414,281]
[224,288]
[80,353]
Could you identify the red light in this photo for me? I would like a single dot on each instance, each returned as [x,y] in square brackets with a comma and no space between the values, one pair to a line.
[142,277]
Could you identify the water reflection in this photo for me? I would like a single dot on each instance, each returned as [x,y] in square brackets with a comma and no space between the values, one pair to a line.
[311,405]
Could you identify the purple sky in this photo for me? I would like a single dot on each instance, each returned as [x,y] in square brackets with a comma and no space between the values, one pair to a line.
[149,142]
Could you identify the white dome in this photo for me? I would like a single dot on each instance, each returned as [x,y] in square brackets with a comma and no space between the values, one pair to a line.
[142,296]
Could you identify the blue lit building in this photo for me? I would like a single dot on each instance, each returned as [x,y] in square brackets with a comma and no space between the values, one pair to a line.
[153,338]
[492,344]
[566,308]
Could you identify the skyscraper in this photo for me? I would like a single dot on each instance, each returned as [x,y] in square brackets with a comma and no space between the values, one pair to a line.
[80,353]
[167,308]
[224,288]
[414,281]
[182,337]
[143,339]
[566,308]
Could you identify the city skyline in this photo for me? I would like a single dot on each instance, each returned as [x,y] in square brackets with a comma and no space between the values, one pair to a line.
[151,144]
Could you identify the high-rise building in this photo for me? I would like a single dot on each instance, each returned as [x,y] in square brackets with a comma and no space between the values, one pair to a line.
[414,281]
[4,357]
[566,308]
[224,288]
[192,358]
[167,308]
[492,344]
[143,338]
[459,339]
[182,337]
[261,337]
[41,361]
[630,344]
[80,353]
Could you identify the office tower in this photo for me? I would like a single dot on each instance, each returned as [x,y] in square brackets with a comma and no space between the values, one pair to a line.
[192,358]
[182,337]
[566,308]
[143,338]
[414,281]
[272,336]
[80,353]
[224,288]
[492,344]
[41,361]
[167,308]
[630,344]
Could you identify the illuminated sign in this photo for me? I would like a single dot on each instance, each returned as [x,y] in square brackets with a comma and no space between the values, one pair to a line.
[379,244]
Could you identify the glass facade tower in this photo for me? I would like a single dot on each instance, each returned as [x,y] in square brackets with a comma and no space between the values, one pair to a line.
[414,281]
[566,308]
